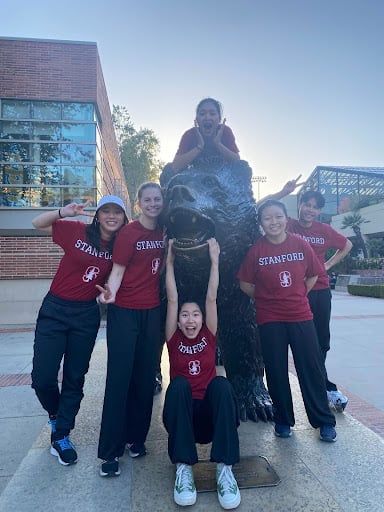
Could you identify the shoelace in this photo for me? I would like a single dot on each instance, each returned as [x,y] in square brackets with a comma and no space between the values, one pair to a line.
[65,443]
[226,480]
[184,477]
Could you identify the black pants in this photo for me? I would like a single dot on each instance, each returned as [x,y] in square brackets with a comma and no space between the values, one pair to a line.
[133,341]
[320,303]
[189,421]
[64,329]
[301,336]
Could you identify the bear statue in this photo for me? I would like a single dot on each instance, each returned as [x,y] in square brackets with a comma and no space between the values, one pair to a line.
[215,199]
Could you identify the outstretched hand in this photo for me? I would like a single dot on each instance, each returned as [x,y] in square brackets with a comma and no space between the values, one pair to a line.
[75,209]
[291,185]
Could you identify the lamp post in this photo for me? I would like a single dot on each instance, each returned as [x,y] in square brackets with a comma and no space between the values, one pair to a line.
[258,180]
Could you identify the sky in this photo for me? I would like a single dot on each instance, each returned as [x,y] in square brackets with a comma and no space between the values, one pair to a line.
[301,81]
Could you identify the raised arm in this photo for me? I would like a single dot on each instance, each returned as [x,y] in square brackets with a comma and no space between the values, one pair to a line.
[45,220]
[226,153]
[182,161]
[288,188]
[172,296]
[213,284]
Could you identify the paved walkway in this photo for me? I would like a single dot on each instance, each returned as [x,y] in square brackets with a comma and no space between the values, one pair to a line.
[346,476]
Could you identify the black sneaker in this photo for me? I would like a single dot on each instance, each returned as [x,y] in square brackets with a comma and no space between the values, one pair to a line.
[64,450]
[110,467]
[137,450]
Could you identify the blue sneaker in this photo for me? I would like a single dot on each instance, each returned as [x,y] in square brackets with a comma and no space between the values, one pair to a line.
[64,450]
[282,430]
[328,433]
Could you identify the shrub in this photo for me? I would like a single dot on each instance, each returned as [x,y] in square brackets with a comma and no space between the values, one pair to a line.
[367,290]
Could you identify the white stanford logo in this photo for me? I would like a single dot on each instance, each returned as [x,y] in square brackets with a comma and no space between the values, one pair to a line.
[90,274]
[285,279]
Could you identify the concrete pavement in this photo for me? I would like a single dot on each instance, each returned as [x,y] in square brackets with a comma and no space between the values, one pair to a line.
[346,476]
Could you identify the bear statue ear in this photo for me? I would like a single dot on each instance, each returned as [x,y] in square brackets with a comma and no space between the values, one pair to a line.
[166,175]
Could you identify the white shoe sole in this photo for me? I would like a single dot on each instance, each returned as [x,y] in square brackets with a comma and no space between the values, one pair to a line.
[184,502]
[56,454]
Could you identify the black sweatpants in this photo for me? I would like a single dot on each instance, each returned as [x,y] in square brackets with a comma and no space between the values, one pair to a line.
[133,341]
[213,419]
[64,330]
[320,302]
[301,337]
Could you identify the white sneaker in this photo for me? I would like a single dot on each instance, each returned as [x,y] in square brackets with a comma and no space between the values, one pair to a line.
[184,492]
[337,400]
[227,488]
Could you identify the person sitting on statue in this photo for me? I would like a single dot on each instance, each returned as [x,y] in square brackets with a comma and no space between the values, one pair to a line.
[209,137]
[199,406]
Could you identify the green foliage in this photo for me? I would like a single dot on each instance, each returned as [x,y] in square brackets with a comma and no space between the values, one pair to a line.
[376,247]
[353,221]
[138,151]
[367,290]
[369,264]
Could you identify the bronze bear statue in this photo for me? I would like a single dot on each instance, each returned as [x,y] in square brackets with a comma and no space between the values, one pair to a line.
[215,199]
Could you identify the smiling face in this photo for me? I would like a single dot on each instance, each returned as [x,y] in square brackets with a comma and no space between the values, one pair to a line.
[190,320]
[151,202]
[208,118]
[274,223]
[308,212]
[111,218]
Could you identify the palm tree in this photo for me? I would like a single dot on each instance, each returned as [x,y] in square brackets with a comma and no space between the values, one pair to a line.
[353,221]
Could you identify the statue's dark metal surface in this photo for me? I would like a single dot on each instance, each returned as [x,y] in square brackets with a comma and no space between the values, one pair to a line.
[216,199]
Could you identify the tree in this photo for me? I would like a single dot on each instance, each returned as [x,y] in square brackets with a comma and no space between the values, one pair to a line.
[353,221]
[138,151]
[376,247]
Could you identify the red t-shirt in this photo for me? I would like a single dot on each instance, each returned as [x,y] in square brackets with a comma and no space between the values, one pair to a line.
[141,250]
[82,267]
[278,273]
[321,237]
[189,141]
[193,359]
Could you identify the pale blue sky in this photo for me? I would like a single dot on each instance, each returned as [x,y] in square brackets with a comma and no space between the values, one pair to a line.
[301,81]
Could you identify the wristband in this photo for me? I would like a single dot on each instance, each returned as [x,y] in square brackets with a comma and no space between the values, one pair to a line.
[60,214]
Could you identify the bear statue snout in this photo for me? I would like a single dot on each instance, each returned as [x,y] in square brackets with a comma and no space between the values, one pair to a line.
[181,194]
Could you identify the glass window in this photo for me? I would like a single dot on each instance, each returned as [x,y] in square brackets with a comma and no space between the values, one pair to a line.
[78,195]
[51,175]
[13,174]
[46,110]
[46,131]
[14,109]
[79,132]
[51,196]
[78,111]
[15,130]
[49,153]
[78,153]
[14,152]
[10,196]
[84,176]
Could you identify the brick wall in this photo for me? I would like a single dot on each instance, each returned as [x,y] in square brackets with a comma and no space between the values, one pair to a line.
[28,257]
[48,70]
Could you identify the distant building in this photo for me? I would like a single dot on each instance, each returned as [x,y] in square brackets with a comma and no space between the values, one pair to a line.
[346,188]
[57,144]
